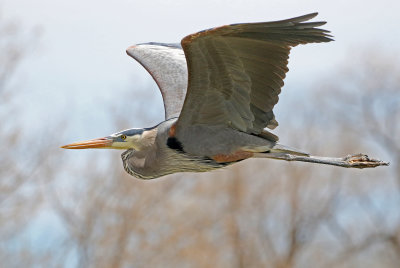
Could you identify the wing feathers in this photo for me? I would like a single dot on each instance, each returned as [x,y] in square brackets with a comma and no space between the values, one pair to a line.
[236,71]
[167,65]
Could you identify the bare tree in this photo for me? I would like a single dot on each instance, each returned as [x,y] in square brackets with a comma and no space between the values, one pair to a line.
[19,191]
[370,97]
[258,213]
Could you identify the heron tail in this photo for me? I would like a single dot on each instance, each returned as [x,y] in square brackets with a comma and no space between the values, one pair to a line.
[279,148]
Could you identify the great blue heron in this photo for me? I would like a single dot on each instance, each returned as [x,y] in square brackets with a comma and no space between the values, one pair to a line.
[219,88]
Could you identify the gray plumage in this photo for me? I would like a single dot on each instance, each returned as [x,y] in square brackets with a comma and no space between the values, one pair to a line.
[235,76]
[219,89]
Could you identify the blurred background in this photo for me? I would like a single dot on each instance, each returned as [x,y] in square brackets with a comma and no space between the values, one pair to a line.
[64,77]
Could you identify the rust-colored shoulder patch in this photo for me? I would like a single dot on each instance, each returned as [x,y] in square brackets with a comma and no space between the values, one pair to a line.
[190,38]
[172,130]
[226,158]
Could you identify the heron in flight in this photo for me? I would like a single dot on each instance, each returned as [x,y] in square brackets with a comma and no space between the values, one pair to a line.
[219,88]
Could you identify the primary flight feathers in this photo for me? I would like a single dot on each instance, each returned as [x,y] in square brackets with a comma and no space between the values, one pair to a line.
[230,75]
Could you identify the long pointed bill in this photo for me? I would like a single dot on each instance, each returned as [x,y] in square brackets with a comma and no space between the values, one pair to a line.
[95,143]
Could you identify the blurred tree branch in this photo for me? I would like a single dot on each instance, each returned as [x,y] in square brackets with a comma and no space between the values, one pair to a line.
[19,163]
[257,213]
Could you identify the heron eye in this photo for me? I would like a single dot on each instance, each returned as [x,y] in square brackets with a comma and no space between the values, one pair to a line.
[123,137]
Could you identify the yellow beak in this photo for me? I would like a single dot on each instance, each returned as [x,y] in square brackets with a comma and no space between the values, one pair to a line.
[95,143]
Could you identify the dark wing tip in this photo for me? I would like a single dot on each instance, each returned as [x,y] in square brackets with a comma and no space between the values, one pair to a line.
[304,17]
[298,22]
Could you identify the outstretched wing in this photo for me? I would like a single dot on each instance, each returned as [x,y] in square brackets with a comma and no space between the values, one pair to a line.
[236,71]
[167,65]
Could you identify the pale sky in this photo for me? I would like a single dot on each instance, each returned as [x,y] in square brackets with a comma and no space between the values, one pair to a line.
[79,64]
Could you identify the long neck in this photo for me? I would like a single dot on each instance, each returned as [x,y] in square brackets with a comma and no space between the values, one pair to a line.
[140,164]
[155,159]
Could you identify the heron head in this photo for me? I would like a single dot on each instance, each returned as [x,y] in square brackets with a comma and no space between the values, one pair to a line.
[126,139]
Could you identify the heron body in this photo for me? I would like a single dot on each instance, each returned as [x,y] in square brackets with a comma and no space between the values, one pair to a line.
[219,88]
[156,159]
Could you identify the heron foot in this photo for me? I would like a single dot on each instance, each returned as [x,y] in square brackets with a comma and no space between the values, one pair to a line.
[363,161]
